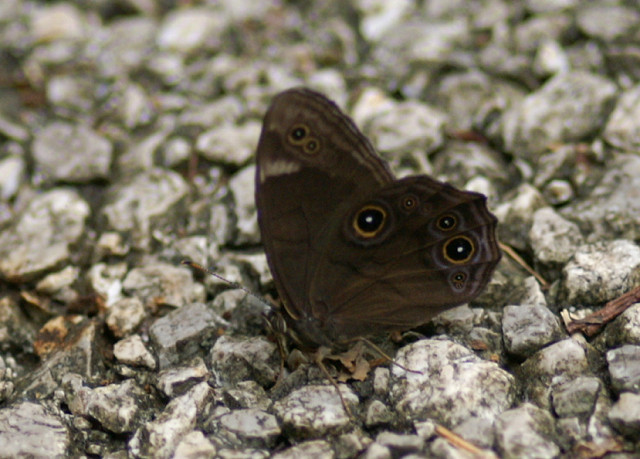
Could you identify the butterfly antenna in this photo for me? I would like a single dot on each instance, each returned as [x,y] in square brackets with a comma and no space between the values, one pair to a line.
[199,267]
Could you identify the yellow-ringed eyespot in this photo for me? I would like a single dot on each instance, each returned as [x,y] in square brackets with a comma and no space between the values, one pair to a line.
[298,134]
[409,202]
[311,146]
[458,249]
[447,222]
[369,221]
[458,280]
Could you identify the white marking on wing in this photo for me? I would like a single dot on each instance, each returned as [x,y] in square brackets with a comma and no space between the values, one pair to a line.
[278,167]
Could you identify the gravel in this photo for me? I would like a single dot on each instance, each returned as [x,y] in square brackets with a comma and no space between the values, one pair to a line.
[127,132]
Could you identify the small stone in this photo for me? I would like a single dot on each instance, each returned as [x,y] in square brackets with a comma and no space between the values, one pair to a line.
[106,280]
[12,169]
[221,111]
[142,153]
[460,319]
[576,397]
[39,238]
[612,207]
[59,285]
[188,29]
[607,22]
[526,428]
[163,284]
[183,332]
[409,126]
[567,108]
[379,18]
[377,414]
[624,368]
[249,427]
[477,431]
[381,377]
[623,129]
[601,271]
[65,152]
[399,443]
[160,437]
[377,451]
[315,411]
[242,185]
[195,445]
[625,414]
[555,364]
[530,293]
[625,329]
[550,59]
[558,192]
[124,316]
[516,215]
[132,351]
[61,21]
[554,240]
[139,204]
[351,444]
[16,329]
[176,151]
[247,394]
[235,359]
[12,130]
[452,384]
[528,328]
[111,243]
[121,408]
[136,109]
[177,380]
[229,143]
[28,430]
[311,449]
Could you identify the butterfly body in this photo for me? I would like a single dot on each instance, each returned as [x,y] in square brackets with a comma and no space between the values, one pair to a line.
[353,250]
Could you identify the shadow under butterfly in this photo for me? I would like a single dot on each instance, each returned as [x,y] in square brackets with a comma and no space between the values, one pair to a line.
[353,251]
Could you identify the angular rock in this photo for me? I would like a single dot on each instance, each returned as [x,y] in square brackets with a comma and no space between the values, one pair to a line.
[625,414]
[541,118]
[453,384]
[526,430]
[39,239]
[160,437]
[553,365]
[236,359]
[526,329]
[249,427]
[28,430]
[624,368]
[601,271]
[120,408]
[183,333]
[315,411]
[71,153]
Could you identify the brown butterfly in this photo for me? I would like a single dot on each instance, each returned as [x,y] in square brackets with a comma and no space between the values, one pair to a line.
[354,251]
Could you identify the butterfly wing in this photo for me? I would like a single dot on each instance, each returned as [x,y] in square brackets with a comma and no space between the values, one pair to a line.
[404,254]
[312,165]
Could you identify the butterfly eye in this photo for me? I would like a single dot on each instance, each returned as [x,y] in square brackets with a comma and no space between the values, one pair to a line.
[298,133]
[408,202]
[458,279]
[369,221]
[458,250]
[447,222]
